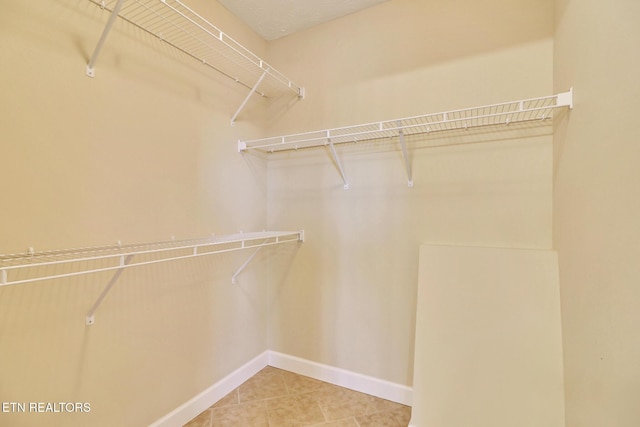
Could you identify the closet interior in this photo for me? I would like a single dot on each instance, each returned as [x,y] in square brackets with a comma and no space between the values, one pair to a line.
[462,273]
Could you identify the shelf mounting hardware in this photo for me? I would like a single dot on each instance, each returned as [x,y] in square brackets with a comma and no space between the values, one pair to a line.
[254,253]
[124,261]
[565,99]
[405,154]
[244,265]
[334,155]
[246,99]
[103,38]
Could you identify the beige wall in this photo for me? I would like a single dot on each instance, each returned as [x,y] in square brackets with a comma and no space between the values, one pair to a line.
[348,300]
[596,210]
[140,153]
[488,338]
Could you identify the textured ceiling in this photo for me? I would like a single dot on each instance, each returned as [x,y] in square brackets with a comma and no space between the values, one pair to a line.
[277,18]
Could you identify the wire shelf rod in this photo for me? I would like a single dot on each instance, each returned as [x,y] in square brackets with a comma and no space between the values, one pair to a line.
[134,249]
[511,112]
[246,99]
[184,51]
[137,264]
[90,317]
[336,159]
[269,238]
[181,27]
[405,156]
[392,131]
[506,113]
[31,255]
[248,55]
[244,264]
[103,38]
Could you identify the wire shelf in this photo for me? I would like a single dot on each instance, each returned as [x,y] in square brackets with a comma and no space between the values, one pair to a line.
[39,266]
[488,115]
[174,23]
[522,111]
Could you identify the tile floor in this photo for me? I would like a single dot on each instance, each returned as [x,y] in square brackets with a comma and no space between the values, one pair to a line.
[277,398]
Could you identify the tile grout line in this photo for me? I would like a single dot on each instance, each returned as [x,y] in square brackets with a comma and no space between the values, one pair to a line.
[266,405]
[285,383]
[324,415]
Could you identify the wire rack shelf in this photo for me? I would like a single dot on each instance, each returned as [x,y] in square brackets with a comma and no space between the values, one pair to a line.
[80,261]
[520,111]
[33,266]
[179,26]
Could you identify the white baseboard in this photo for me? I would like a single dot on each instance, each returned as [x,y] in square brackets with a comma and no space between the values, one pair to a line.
[337,376]
[365,384]
[192,408]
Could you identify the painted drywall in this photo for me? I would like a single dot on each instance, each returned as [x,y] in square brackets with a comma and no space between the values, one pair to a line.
[349,298]
[488,338]
[140,153]
[596,210]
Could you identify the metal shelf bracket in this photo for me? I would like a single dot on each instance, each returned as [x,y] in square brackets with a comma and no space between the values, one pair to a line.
[244,265]
[246,99]
[334,155]
[565,99]
[124,261]
[405,154]
[103,38]
[254,253]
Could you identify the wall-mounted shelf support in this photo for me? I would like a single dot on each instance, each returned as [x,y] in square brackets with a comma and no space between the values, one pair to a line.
[253,255]
[103,37]
[41,266]
[336,159]
[565,99]
[246,99]
[405,155]
[507,113]
[244,265]
[124,260]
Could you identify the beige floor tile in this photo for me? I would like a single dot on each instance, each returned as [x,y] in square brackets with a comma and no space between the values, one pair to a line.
[230,399]
[294,410]
[345,422]
[278,398]
[299,383]
[202,420]
[397,418]
[337,402]
[266,384]
[382,405]
[250,414]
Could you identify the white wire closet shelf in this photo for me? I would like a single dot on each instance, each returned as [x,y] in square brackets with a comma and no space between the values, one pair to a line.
[520,111]
[57,264]
[177,25]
